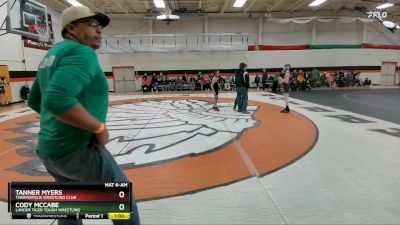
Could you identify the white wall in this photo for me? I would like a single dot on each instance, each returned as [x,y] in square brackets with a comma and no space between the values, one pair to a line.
[129,27]
[255,59]
[373,76]
[376,34]
[338,33]
[273,33]
[11,53]
[180,26]
[286,34]
[56,21]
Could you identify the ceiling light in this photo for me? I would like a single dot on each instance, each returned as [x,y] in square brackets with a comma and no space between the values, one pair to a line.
[316,3]
[159,3]
[74,3]
[168,17]
[239,3]
[174,17]
[384,6]
[162,17]
[389,24]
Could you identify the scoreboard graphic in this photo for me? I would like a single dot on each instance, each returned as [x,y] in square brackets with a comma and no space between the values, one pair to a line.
[40,200]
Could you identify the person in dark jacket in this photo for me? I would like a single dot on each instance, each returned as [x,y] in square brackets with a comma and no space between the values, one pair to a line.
[242,86]
[264,79]
[3,98]
[257,80]
[25,92]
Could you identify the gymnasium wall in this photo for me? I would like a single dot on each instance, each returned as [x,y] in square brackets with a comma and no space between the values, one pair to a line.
[261,32]
[272,32]
[254,59]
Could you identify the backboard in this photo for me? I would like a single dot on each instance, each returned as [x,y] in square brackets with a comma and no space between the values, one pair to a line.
[23,15]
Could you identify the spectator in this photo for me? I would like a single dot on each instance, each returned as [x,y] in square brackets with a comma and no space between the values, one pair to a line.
[332,81]
[184,79]
[323,80]
[207,82]
[295,74]
[199,81]
[154,83]
[227,86]
[315,74]
[145,87]
[221,82]
[349,77]
[341,81]
[367,82]
[257,80]
[192,83]
[306,84]
[300,80]
[264,79]
[280,80]
[3,97]
[293,84]
[232,82]
[25,92]
[275,83]
[356,79]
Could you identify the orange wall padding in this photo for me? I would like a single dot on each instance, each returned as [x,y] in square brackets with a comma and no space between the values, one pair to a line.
[6,75]
[397,47]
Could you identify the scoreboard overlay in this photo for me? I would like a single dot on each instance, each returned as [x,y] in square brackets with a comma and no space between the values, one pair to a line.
[72,200]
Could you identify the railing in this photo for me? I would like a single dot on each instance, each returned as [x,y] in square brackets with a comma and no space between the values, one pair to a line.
[174,43]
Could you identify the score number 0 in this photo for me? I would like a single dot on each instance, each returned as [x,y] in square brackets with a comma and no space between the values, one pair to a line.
[121,194]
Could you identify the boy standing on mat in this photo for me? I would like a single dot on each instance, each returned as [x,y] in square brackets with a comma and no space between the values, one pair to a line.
[215,89]
[286,88]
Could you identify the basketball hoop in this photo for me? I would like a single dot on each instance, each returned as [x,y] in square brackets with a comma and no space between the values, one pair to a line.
[42,30]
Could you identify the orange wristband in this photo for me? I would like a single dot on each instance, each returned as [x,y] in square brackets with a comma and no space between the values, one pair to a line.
[100,129]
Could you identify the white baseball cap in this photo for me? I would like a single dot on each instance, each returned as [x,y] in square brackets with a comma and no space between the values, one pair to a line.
[74,13]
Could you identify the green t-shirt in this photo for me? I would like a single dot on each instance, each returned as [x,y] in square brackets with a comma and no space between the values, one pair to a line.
[69,74]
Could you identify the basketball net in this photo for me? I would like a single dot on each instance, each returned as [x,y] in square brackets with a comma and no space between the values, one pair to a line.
[43,32]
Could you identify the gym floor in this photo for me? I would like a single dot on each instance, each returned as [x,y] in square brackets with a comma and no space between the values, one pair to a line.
[379,103]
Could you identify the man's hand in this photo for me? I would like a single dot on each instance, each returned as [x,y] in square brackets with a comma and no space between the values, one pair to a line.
[102,138]
[77,116]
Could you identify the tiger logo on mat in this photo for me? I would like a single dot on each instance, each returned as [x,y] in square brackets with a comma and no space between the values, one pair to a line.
[182,139]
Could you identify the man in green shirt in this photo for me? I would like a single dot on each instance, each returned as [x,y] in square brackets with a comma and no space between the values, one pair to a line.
[71,95]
